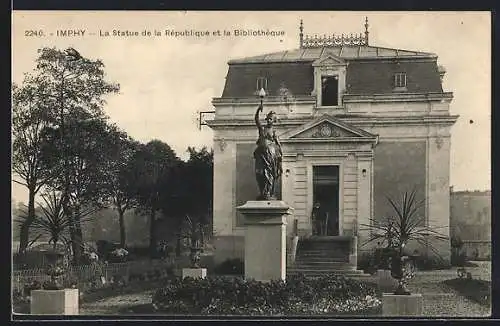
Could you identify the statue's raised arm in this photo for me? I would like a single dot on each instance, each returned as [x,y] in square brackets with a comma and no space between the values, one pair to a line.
[257,117]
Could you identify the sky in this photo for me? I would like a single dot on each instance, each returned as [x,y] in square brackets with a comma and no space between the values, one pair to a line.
[165,80]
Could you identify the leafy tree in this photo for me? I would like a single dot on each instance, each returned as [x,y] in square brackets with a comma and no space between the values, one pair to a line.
[198,173]
[29,112]
[83,160]
[190,205]
[121,179]
[154,166]
[72,88]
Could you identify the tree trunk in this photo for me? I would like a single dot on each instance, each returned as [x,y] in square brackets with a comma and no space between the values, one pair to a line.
[25,227]
[76,238]
[178,246]
[122,228]
[73,236]
[152,233]
[79,244]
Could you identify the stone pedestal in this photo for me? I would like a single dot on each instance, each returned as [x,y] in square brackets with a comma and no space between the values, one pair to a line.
[265,239]
[194,272]
[402,305]
[385,282]
[54,302]
[353,254]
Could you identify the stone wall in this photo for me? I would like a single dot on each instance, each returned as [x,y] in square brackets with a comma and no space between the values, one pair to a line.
[398,167]
[470,220]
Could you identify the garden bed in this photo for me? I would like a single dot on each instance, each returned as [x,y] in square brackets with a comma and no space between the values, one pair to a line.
[476,290]
[21,302]
[328,295]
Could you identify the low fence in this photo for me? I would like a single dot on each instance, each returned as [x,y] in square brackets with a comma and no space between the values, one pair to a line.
[98,272]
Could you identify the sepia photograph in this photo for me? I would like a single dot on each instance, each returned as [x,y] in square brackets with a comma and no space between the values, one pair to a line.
[325,164]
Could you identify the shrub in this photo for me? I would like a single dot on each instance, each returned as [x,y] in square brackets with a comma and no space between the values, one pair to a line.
[230,267]
[429,263]
[365,263]
[20,302]
[458,259]
[31,285]
[137,253]
[379,258]
[330,294]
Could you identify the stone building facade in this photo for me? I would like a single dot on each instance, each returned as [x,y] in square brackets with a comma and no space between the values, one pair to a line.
[357,123]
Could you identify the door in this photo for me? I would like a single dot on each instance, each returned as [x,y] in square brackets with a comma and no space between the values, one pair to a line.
[325,213]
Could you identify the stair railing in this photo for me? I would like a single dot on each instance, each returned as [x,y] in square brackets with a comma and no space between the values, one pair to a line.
[295,240]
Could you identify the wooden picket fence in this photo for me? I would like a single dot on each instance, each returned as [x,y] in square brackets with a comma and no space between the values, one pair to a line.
[96,272]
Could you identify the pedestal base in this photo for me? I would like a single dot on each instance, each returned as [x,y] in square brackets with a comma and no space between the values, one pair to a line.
[265,239]
[402,305]
[54,302]
[385,282]
[194,272]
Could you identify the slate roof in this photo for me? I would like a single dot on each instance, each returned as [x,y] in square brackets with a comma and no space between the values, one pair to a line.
[241,80]
[344,52]
[372,75]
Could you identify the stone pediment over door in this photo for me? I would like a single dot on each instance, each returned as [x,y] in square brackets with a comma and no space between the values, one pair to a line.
[328,128]
[329,60]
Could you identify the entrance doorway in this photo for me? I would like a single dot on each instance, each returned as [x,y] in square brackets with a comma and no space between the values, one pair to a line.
[325,213]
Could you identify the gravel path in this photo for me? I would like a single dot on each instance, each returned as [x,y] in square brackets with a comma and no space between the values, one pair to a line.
[113,305]
[439,299]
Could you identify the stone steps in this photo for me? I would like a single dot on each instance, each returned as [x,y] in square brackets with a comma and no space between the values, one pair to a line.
[322,259]
[322,272]
[321,248]
[323,256]
[323,265]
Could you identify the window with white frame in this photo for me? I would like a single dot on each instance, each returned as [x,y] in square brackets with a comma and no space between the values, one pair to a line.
[400,80]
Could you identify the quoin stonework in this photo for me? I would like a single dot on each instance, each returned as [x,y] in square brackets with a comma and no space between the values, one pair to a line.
[357,123]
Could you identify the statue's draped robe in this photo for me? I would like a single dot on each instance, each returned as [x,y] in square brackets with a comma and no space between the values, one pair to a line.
[267,162]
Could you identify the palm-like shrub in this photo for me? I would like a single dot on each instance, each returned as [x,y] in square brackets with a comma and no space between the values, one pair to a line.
[52,223]
[192,230]
[396,231]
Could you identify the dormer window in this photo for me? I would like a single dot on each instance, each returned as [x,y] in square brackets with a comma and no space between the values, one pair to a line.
[400,81]
[261,83]
[329,82]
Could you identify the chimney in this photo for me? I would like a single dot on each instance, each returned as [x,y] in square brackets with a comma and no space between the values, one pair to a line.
[442,72]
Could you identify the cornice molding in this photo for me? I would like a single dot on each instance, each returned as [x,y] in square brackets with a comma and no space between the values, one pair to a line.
[346,98]
[397,97]
[269,100]
[365,120]
[330,140]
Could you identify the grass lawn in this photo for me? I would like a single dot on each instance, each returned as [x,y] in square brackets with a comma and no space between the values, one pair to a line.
[476,290]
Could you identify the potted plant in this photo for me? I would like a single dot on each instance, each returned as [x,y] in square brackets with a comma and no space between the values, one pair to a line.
[55,224]
[193,232]
[406,224]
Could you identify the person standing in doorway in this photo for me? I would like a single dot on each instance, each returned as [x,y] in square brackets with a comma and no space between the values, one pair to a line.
[317,219]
